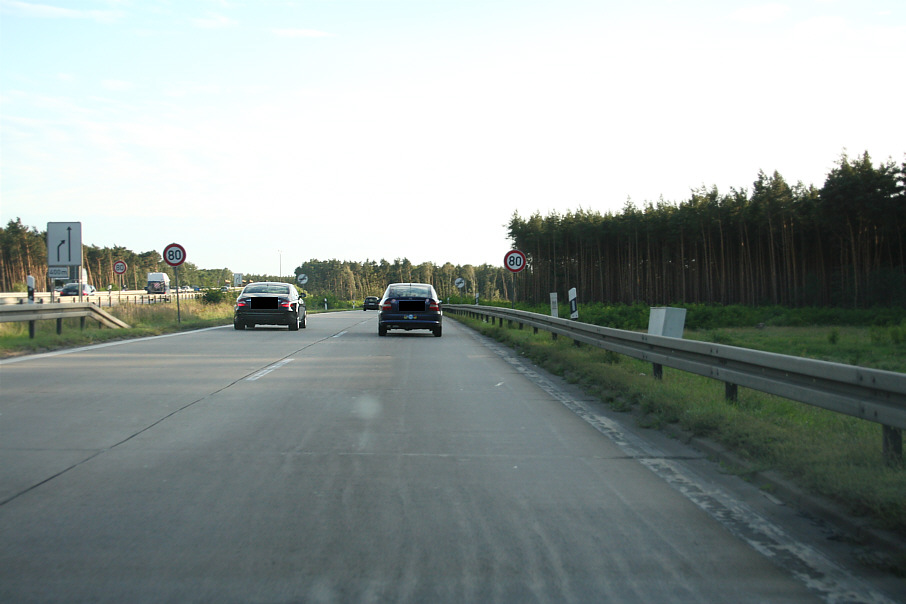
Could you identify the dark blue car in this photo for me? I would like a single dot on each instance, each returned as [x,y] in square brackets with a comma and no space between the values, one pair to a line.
[410,306]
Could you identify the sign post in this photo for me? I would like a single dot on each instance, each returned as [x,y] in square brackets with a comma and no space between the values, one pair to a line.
[514,261]
[119,267]
[460,283]
[64,248]
[175,255]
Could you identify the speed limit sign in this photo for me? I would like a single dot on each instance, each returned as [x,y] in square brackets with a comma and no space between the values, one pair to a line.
[514,261]
[174,254]
[119,267]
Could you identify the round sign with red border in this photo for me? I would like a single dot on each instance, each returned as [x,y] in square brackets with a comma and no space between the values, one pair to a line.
[514,261]
[119,267]
[174,254]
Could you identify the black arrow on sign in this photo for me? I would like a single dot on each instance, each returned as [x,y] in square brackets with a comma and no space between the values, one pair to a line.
[58,250]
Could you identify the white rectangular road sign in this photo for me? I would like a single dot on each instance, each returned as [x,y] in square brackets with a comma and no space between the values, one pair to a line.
[64,243]
[58,272]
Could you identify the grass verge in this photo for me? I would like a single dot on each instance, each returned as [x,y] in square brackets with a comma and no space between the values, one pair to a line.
[833,455]
[144,320]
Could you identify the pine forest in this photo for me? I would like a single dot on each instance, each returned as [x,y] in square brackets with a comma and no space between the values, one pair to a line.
[842,245]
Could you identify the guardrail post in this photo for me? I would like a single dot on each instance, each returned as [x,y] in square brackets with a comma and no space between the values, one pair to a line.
[31,330]
[731,392]
[59,326]
[657,370]
[893,445]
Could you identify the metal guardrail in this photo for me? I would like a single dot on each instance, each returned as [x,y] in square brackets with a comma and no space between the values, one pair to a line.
[100,298]
[38,312]
[871,394]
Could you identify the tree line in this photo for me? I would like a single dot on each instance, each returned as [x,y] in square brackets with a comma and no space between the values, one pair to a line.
[23,252]
[841,245]
[345,280]
[793,245]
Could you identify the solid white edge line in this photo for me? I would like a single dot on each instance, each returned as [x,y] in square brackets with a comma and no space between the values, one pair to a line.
[56,353]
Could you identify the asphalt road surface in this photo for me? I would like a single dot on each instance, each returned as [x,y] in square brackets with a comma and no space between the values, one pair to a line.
[331,465]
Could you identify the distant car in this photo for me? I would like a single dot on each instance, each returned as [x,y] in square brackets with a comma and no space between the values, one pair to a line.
[410,306]
[269,303]
[72,289]
[372,303]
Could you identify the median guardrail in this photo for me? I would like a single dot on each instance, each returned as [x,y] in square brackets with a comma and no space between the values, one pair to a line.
[38,312]
[100,298]
[870,394]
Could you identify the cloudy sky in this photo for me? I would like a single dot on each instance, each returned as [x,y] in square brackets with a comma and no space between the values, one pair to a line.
[262,133]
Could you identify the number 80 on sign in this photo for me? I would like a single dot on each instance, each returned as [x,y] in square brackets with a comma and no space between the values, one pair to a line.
[514,261]
[174,254]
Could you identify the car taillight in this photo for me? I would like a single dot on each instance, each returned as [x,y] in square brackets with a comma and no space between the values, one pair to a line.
[241,302]
[285,304]
[387,305]
[433,305]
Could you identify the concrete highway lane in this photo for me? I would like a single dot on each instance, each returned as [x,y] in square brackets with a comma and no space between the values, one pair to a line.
[331,465]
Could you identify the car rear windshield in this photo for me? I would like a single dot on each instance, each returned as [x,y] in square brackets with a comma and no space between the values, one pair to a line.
[409,291]
[267,289]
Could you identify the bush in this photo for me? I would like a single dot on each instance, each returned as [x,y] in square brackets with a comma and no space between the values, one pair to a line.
[213,296]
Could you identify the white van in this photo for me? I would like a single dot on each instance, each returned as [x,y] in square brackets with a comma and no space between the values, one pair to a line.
[158,283]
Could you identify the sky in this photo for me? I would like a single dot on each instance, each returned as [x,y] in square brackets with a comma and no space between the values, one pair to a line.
[259,134]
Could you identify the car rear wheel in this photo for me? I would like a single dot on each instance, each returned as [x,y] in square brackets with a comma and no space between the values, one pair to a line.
[381,330]
[438,331]
[294,324]
[239,326]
